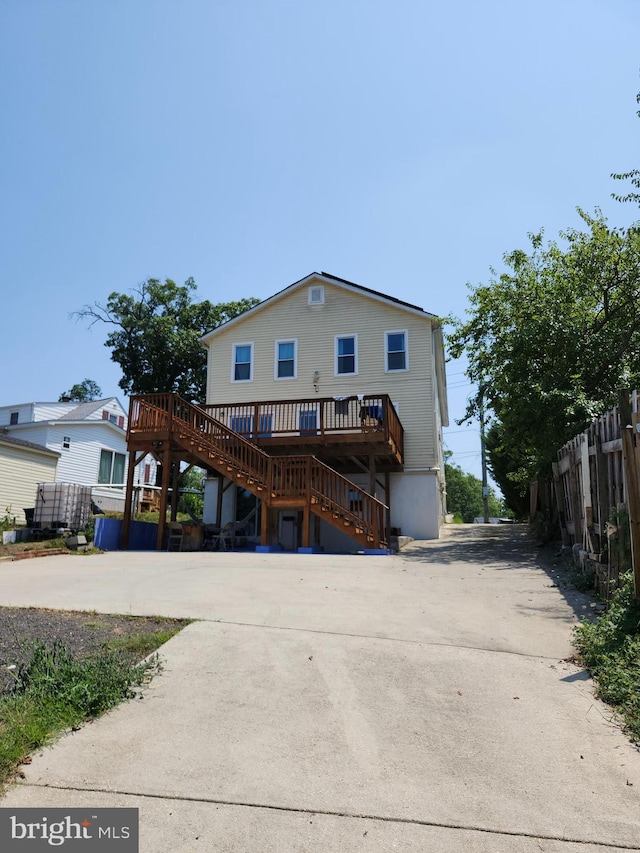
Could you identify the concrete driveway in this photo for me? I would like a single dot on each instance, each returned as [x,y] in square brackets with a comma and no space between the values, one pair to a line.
[328,703]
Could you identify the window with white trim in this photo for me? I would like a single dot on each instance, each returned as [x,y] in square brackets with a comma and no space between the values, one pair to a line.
[286,357]
[242,370]
[396,351]
[111,468]
[316,295]
[346,355]
[13,418]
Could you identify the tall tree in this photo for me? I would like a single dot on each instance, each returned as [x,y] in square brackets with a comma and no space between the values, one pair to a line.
[156,335]
[83,392]
[550,340]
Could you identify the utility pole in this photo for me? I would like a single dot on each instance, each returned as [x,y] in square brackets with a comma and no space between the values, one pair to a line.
[483,450]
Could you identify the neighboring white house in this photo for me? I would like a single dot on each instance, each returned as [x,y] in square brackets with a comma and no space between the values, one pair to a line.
[90,439]
[22,466]
[327,339]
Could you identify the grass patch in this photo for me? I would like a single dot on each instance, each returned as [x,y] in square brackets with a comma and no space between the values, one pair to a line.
[55,691]
[610,649]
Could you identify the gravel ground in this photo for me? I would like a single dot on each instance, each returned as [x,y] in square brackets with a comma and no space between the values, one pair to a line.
[82,633]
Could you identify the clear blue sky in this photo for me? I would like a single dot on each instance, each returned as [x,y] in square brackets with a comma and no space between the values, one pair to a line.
[404,146]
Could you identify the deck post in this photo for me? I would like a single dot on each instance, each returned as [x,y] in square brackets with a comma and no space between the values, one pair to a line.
[387,500]
[264,524]
[306,525]
[162,520]
[128,500]
[175,479]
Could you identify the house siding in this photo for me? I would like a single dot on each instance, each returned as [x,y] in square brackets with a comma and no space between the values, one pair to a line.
[24,414]
[21,469]
[343,312]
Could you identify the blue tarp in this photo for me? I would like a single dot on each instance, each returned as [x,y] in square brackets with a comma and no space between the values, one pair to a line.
[142,535]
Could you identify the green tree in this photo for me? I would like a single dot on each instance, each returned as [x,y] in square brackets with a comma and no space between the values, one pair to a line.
[156,335]
[83,392]
[191,478]
[549,342]
[464,495]
[633,176]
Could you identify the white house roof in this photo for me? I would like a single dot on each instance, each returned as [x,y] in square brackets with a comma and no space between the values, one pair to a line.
[28,445]
[330,279]
[83,410]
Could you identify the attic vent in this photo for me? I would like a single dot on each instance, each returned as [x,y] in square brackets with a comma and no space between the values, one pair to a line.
[316,295]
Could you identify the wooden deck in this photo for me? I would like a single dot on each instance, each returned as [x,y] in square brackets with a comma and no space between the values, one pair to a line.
[345,432]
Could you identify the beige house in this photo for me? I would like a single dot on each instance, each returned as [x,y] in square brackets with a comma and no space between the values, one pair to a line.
[23,464]
[354,377]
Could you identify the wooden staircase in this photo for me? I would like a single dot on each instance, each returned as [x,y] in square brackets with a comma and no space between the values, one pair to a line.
[292,482]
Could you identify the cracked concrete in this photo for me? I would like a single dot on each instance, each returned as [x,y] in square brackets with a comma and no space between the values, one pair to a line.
[332,703]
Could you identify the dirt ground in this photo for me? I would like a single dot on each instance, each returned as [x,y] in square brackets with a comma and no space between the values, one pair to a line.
[81,633]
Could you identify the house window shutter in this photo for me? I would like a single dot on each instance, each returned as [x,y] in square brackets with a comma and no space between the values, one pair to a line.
[121,421]
[105,415]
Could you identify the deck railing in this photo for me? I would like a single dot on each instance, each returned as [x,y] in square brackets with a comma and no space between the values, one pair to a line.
[314,418]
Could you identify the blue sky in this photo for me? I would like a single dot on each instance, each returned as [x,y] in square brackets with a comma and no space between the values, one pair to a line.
[404,146]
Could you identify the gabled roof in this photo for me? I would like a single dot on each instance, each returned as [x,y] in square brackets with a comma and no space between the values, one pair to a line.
[30,445]
[83,410]
[330,279]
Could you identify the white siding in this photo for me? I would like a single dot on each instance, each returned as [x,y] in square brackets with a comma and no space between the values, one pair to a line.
[80,462]
[25,414]
[21,469]
[315,327]
[52,411]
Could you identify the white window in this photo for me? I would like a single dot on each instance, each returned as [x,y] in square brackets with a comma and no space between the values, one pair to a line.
[346,355]
[286,359]
[13,420]
[396,355]
[316,295]
[242,365]
[66,441]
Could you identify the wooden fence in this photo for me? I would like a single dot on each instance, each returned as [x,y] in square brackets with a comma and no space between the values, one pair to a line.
[596,478]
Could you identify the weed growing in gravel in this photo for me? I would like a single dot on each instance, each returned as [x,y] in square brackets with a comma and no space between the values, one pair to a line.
[55,691]
[610,649]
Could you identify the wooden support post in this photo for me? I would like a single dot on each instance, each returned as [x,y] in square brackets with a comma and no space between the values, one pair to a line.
[264,524]
[175,491]
[164,492]
[372,474]
[219,501]
[128,500]
[387,500]
[629,434]
[306,525]
[316,531]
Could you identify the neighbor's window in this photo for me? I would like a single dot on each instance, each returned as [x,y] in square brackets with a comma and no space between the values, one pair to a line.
[66,441]
[286,359]
[346,354]
[242,362]
[111,467]
[396,351]
[14,418]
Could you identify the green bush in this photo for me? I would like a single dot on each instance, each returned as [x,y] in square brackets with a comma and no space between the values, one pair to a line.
[610,649]
[55,691]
